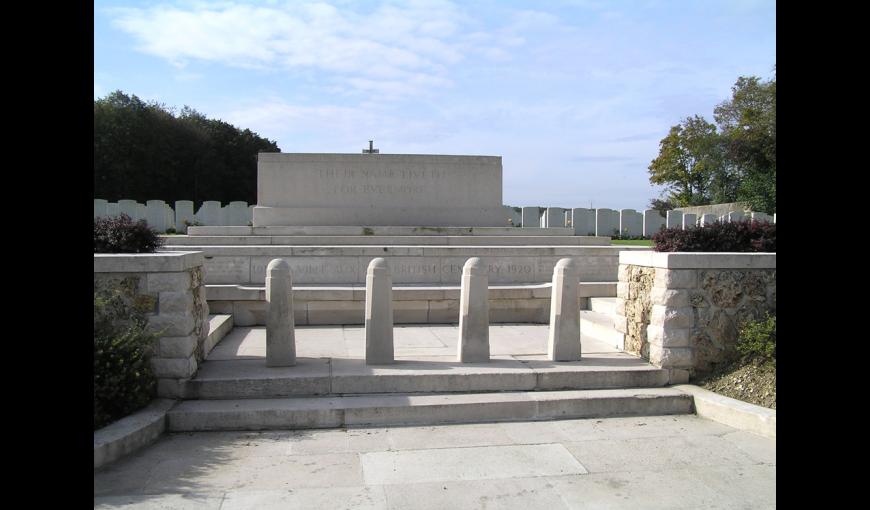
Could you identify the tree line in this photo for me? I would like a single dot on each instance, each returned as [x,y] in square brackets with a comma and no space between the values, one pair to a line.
[145,151]
[733,160]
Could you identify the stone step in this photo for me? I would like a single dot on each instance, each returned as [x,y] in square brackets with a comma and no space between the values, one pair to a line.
[218,327]
[600,326]
[250,378]
[429,409]
[527,240]
[605,305]
[376,231]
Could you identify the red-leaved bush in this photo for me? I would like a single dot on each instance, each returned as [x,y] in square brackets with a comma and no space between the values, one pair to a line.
[120,234]
[737,236]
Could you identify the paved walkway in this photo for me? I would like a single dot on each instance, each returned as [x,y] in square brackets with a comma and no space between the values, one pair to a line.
[631,463]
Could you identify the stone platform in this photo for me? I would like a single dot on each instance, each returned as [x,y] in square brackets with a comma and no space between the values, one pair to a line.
[332,386]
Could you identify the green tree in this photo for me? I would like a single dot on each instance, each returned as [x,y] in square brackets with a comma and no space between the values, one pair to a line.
[748,126]
[145,151]
[733,160]
[688,159]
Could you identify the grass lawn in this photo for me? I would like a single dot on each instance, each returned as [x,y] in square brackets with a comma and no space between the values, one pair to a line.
[633,242]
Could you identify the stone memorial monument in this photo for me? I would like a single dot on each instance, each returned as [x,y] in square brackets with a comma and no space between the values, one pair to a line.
[378,189]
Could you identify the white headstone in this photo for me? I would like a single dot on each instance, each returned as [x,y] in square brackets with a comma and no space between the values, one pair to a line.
[555,217]
[606,222]
[530,216]
[155,215]
[564,335]
[100,207]
[127,207]
[237,214]
[583,221]
[183,212]
[209,213]
[630,223]
[675,219]
[379,313]
[112,209]
[170,217]
[761,217]
[516,217]
[774,218]
[280,324]
[707,219]
[652,222]
[735,216]
[474,313]
[690,221]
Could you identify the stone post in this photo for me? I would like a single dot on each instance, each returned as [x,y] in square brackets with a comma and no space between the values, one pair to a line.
[280,337]
[379,314]
[474,313]
[564,341]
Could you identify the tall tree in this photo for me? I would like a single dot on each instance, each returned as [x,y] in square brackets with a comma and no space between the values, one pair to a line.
[144,151]
[688,158]
[733,160]
[748,125]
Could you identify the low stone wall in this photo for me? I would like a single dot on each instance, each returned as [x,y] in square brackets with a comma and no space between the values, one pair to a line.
[169,289]
[411,305]
[683,310]
[714,209]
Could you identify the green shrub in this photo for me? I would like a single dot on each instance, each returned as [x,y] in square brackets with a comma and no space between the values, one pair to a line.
[119,234]
[757,339]
[123,379]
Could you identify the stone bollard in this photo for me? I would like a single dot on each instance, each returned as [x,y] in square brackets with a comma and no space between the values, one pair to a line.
[280,337]
[564,341]
[474,313]
[379,314]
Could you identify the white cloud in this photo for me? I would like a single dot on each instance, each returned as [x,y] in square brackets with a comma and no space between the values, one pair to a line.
[401,49]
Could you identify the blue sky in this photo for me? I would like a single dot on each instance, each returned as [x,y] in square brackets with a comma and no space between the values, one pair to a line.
[574,95]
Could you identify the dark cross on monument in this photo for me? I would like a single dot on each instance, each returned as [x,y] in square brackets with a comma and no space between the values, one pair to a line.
[371,149]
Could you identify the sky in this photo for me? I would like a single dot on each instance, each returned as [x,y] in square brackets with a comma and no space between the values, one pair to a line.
[574,95]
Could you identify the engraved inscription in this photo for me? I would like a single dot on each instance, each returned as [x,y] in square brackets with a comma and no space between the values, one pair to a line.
[405,181]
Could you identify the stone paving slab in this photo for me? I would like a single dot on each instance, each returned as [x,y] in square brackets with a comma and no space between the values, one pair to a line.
[621,463]
[409,341]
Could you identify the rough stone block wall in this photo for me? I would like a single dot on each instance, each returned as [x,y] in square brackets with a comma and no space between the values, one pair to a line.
[634,307]
[689,318]
[721,302]
[175,305]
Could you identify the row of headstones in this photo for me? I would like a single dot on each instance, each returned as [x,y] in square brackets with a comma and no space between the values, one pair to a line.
[686,221]
[625,222]
[473,346]
[162,217]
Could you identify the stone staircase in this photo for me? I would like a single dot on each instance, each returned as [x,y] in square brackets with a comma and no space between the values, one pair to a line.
[331,386]
[597,321]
